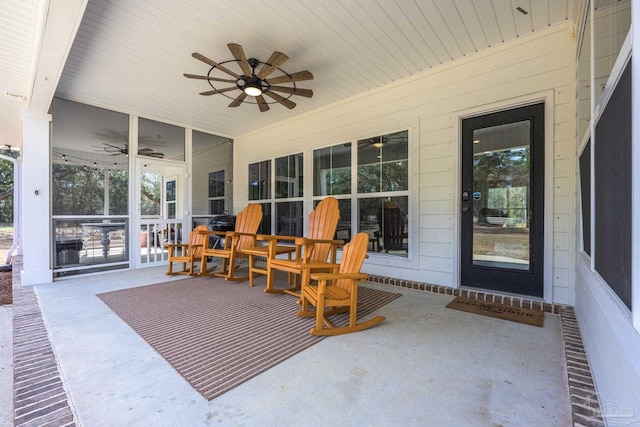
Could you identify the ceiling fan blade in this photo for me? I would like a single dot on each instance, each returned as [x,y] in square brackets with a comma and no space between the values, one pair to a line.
[262,104]
[238,52]
[295,77]
[307,93]
[213,92]
[275,60]
[214,64]
[236,102]
[284,101]
[215,79]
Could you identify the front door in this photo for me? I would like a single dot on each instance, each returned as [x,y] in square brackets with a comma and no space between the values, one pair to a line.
[502,201]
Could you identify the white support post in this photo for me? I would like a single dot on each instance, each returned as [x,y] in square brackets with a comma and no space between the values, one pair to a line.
[35,198]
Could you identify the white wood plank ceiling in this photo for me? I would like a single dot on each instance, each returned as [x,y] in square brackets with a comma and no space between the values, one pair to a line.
[130,55]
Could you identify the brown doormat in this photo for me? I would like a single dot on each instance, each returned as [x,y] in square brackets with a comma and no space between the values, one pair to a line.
[499,311]
[218,334]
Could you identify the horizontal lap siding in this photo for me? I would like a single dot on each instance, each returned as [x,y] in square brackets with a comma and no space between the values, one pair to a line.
[533,64]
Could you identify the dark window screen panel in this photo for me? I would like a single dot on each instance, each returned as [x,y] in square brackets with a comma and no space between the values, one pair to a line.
[585,193]
[613,190]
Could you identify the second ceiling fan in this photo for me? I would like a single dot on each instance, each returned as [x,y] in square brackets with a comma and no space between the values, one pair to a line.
[254,80]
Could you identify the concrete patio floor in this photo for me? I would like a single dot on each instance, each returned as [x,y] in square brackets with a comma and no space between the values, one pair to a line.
[426,365]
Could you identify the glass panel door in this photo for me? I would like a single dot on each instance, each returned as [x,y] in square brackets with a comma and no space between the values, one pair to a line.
[502,201]
[160,196]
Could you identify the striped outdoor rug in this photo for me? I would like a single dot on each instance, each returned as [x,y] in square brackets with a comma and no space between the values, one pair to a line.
[218,334]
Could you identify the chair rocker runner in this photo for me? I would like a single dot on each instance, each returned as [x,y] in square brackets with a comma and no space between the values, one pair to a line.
[313,250]
[337,292]
[187,253]
[243,236]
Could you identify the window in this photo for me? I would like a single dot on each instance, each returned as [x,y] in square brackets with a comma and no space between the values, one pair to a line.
[216,192]
[160,140]
[383,163]
[584,79]
[383,171]
[381,189]
[170,199]
[260,189]
[332,170]
[289,176]
[260,180]
[289,180]
[89,171]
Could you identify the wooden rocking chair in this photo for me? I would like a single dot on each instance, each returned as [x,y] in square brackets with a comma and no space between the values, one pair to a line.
[318,249]
[189,253]
[243,236]
[337,292]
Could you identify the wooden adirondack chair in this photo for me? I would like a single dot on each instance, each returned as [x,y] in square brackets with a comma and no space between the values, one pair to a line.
[337,291]
[243,236]
[319,248]
[189,253]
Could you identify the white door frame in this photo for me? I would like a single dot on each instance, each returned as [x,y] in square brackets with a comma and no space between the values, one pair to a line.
[154,252]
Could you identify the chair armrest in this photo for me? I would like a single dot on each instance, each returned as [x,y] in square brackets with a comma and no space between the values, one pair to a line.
[333,276]
[313,265]
[307,241]
[271,237]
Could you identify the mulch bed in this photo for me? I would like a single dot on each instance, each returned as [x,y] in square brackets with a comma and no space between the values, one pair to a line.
[6,296]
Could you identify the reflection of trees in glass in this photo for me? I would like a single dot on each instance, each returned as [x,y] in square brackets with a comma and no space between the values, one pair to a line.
[501,169]
[150,190]
[392,176]
[338,181]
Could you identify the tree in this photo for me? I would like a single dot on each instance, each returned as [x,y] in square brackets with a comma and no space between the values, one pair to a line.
[6,186]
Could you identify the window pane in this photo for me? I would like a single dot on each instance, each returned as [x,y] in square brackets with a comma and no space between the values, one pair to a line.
[332,170]
[289,176]
[383,163]
[171,210]
[150,192]
[260,180]
[171,191]
[216,184]
[216,207]
[89,160]
[385,221]
[265,225]
[289,218]
[118,192]
[160,140]
[584,80]
[611,25]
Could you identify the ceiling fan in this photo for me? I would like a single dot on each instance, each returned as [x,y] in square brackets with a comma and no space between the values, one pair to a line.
[254,79]
[115,150]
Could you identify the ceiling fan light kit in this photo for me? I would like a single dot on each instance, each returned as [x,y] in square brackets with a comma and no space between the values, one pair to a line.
[252,83]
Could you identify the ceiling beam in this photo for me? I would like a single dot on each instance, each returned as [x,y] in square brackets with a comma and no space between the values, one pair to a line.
[57,28]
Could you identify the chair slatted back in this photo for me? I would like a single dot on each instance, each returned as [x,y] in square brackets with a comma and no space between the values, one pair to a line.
[323,222]
[248,221]
[353,255]
[198,240]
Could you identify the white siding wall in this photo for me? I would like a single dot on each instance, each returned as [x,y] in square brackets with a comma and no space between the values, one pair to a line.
[541,62]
